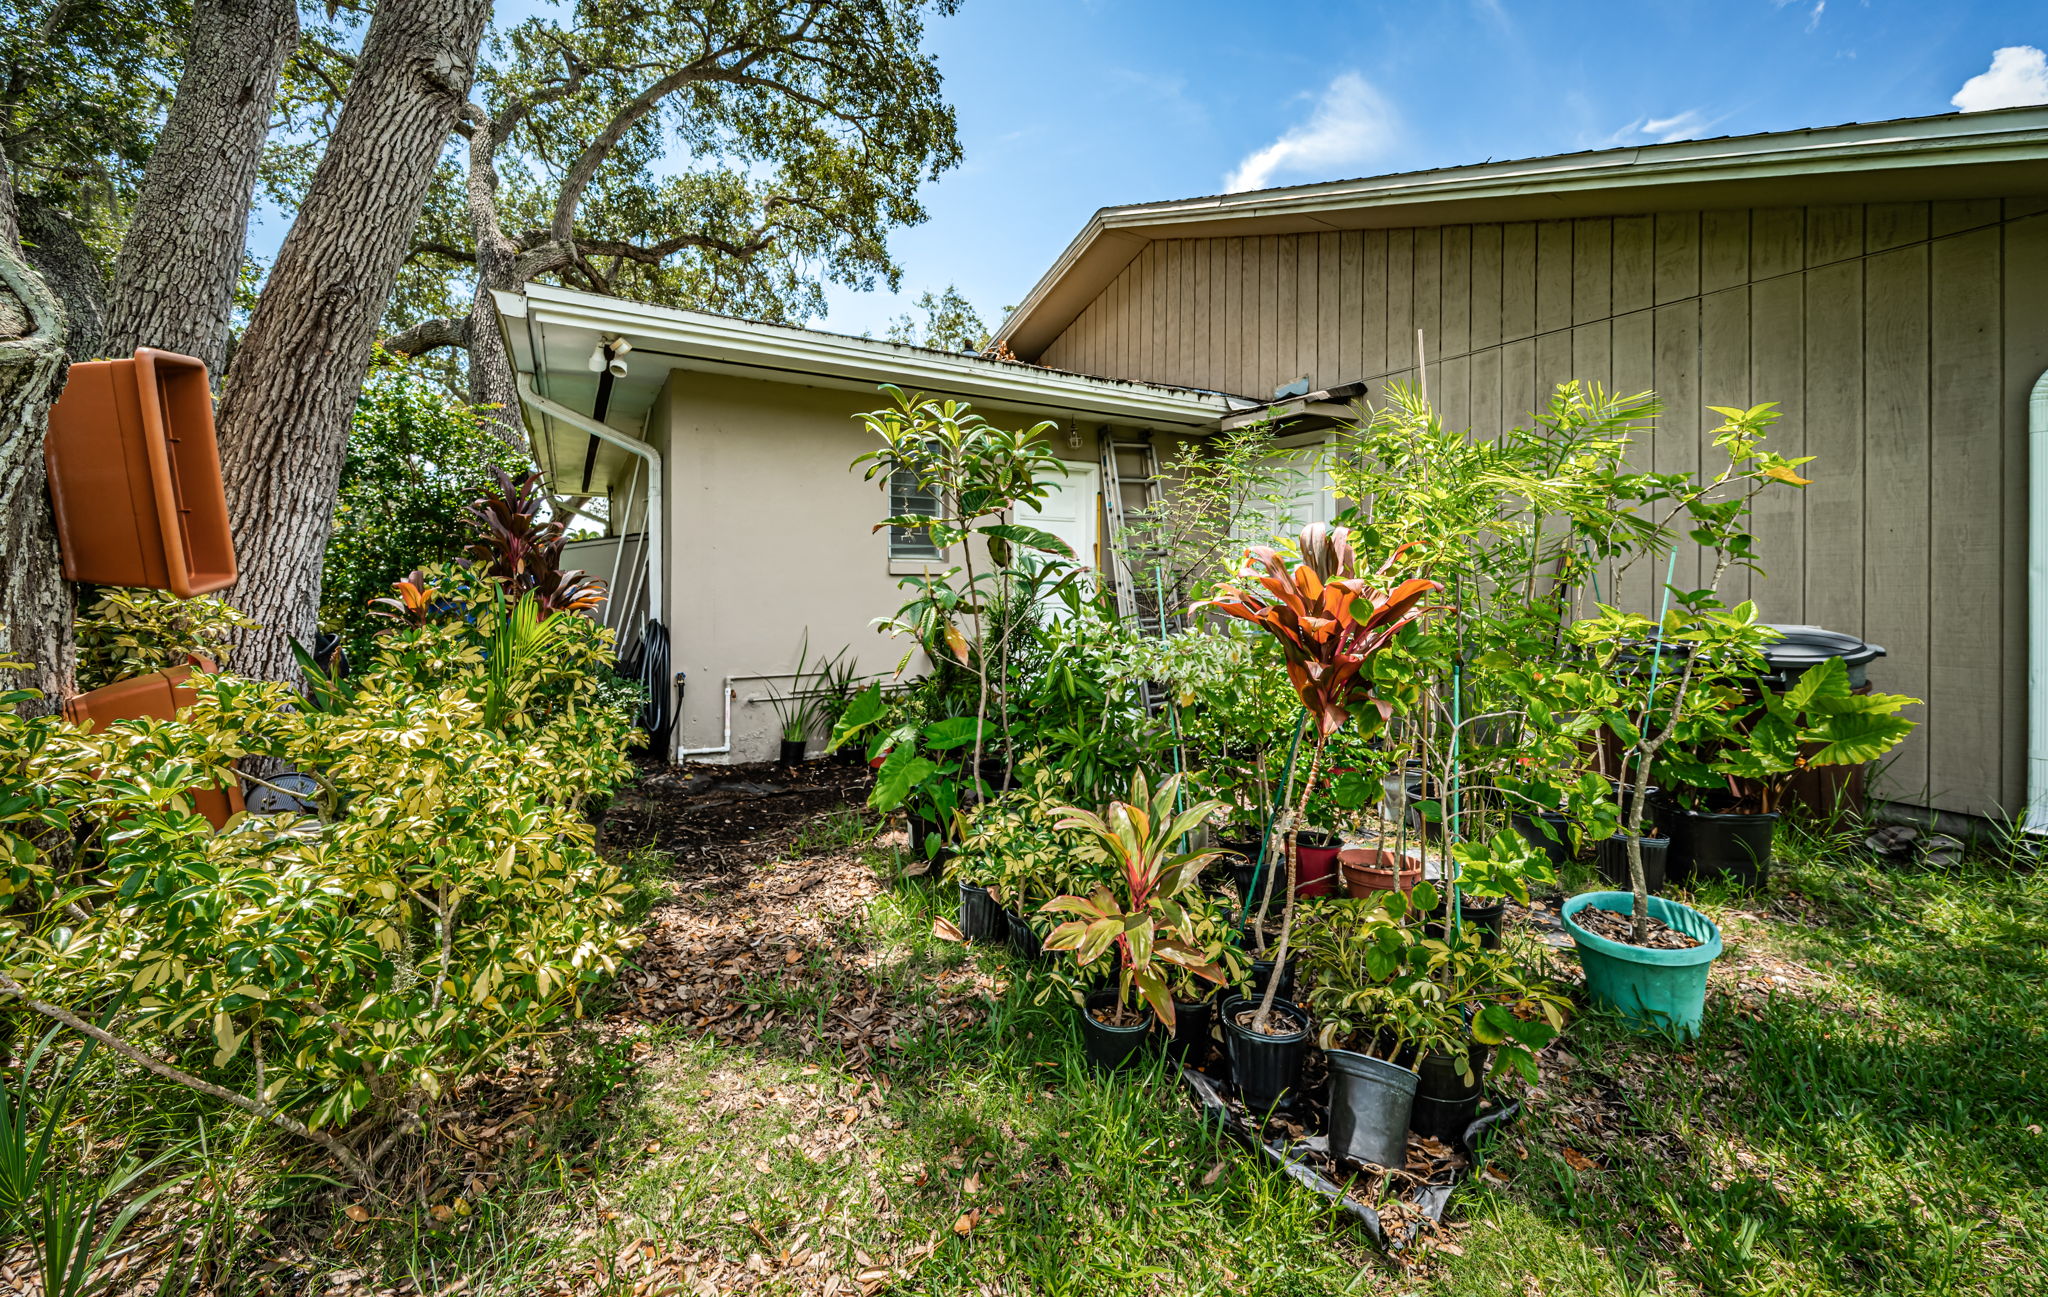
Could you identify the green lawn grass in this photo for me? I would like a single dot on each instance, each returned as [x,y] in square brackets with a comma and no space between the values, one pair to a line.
[1868,1122]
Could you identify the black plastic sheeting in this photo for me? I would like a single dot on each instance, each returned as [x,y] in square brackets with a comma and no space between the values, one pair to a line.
[1209,1096]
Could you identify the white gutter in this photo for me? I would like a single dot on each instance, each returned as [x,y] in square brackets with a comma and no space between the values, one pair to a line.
[697,336]
[584,423]
[2037,609]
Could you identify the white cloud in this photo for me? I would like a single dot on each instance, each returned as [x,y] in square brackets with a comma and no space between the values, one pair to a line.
[2018,75]
[1688,125]
[1351,122]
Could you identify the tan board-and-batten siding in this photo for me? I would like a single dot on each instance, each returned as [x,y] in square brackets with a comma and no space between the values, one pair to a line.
[1899,339]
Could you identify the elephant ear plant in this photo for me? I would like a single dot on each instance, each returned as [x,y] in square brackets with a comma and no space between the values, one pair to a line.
[1329,623]
[1147,927]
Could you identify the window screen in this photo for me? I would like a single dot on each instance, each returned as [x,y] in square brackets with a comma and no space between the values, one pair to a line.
[907,496]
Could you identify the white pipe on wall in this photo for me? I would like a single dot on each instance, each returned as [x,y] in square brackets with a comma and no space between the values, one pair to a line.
[2037,608]
[725,745]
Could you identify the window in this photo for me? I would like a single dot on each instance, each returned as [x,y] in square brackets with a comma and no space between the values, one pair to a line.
[907,496]
[1301,493]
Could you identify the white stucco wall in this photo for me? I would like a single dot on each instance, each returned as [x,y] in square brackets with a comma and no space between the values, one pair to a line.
[770,534]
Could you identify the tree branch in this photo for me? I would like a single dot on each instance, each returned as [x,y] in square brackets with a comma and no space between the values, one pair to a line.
[429,335]
[363,1174]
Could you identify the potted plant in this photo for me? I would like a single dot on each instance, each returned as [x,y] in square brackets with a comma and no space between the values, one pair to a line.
[1490,873]
[1211,932]
[1138,914]
[917,764]
[1408,1019]
[1648,956]
[1735,759]
[1022,864]
[807,705]
[977,473]
[1329,624]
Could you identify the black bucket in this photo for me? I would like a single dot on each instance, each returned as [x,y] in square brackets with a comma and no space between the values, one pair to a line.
[1734,847]
[1267,1068]
[981,919]
[1446,1103]
[1371,1104]
[1614,862]
[793,751]
[1110,1048]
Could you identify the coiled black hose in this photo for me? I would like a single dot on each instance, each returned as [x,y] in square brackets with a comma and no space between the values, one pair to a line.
[649,665]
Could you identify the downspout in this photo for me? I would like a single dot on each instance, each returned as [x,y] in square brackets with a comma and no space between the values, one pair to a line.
[584,423]
[2037,608]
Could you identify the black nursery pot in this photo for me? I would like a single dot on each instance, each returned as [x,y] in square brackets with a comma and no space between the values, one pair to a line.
[1489,916]
[1446,1103]
[1267,1068]
[1110,1048]
[924,830]
[1531,827]
[1735,847]
[981,919]
[793,751]
[1656,807]
[1022,939]
[1191,1030]
[1614,862]
[1241,870]
[1263,969]
[1239,842]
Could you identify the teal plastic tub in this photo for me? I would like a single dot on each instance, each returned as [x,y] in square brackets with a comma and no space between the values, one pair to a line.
[1661,989]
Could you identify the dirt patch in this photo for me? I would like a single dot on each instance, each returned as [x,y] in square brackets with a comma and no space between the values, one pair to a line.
[718,812]
[761,934]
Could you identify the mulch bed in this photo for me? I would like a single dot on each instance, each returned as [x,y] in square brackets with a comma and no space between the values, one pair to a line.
[1618,928]
[744,919]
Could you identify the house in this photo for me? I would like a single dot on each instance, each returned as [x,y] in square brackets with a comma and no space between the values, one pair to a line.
[1886,284]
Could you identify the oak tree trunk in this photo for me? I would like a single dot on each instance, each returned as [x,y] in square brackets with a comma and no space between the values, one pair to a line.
[293,385]
[174,281]
[491,383]
[35,602]
[67,266]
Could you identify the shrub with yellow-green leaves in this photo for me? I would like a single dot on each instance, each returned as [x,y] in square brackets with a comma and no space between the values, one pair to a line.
[447,905]
[129,632]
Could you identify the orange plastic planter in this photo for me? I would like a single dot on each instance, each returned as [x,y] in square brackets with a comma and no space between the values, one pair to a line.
[135,476]
[160,695]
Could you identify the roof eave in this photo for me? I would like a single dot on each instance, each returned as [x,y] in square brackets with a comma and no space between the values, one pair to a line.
[1997,144]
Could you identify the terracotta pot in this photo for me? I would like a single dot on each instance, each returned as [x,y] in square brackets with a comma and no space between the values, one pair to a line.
[160,696]
[135,476]
[1369,869]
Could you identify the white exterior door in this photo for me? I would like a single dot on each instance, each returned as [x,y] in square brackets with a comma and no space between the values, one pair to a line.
[1072,505]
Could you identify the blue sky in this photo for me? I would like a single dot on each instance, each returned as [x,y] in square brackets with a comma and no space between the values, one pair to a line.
[1070,105]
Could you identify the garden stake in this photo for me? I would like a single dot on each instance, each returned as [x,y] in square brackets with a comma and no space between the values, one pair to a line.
[1266,837]
[1172,702]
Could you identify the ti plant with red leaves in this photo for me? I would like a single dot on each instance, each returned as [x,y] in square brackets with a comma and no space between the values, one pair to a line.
[1329,623]
[1146,926]
[515,547]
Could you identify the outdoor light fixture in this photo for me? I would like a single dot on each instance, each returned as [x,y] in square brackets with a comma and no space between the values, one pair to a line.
[598,359]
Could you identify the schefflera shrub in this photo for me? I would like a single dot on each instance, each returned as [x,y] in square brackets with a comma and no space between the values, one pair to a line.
[448,906]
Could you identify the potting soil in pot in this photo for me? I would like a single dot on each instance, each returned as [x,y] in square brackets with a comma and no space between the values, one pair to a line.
[1619,927]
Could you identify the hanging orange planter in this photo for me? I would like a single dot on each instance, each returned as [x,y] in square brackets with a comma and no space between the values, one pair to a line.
[160,696]
[135,476]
